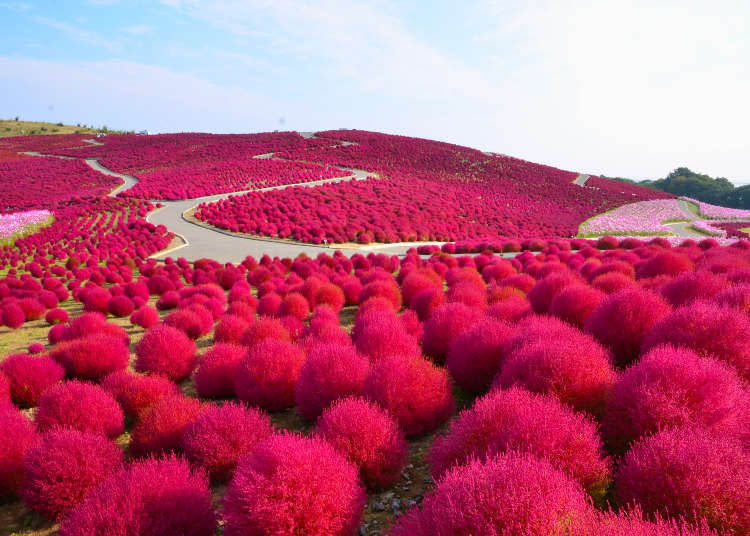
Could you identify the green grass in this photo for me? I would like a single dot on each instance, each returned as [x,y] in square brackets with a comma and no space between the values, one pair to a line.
[11,127]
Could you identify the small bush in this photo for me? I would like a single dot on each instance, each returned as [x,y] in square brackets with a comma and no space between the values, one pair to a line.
[18,436]
[217,369]
[166,351]
[474,356]
[446,323]
[30,376]
[267,375]
[91,357]
[135,393]
[162,425]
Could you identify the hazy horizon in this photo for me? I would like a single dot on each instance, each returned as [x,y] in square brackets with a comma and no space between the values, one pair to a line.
[621,89]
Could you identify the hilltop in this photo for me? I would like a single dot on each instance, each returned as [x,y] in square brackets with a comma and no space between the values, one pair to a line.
[17,127]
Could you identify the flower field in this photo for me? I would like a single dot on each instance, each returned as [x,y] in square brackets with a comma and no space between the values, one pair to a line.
[18,224]
[508,382]
[645,217]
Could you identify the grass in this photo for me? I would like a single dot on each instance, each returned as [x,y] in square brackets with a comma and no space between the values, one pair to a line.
[12,127]
[745,230]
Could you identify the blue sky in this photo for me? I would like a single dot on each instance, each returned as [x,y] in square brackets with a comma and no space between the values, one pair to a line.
[621,88]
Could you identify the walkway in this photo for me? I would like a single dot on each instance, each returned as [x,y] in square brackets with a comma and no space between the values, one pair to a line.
[581,180]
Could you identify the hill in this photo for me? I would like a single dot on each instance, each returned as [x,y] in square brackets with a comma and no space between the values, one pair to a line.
[16,127]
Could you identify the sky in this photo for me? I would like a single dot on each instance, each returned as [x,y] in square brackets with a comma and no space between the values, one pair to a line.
[620,88]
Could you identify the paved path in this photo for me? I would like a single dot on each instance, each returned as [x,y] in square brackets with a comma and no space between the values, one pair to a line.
[685,208]
[128,181]
[581,180]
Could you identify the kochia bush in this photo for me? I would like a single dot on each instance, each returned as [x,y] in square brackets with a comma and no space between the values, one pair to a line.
[267,375]
[18,436]
[166,351]
[474,356]
[161,426]
[30,376]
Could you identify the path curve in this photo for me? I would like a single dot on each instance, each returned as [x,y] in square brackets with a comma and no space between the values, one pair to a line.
[581,180]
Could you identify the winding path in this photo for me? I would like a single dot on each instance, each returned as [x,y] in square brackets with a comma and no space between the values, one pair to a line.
[581,180]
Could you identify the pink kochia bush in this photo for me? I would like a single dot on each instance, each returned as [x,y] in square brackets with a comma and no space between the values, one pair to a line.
[575,303]
[63,467]
[292,485]
[416,392]
[152,497]
[221,435]
[445,324]
[267,375]
[623,319]
[91,357]
[162,425]
[505,495]
[30,376]
[708,330]
[630,522]
[689,473]
[217,369]
[576,370]
[516,420]
[18,436]
[81,406]
[671,387]
[145,317]
[167,351]
[475,355]
[135,392]
[369,438]
[331,371]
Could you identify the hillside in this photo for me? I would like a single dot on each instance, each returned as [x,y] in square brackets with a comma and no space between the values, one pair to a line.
[11,127]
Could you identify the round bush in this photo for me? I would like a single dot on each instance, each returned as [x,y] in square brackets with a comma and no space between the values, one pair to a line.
[369,438]
[671,387]
[12,316]
[5,400]
[145,317]
[295,304]
[18,436]
[63,466]
[30,376]
[383,288]
[519,420]
[577,371]
[736,296]
[709,330]
[506,495]
[265,328]
[162,425]
[426,301]
[80,406]
[217,370]
[166,351]
[135,393]
[221,435]
[153,497]
[630,522]
[267,375]
[56,316]
[668,263]
[446,323]
[691,286]
[379,334]
[475,355]
[230,329]
[331,371]
[689,473]
[545,290]
[293,485]
[416,392]
[623,319]
[269,304]
[330,295]
[91,357]
[187,321]
[575,303]
[120,306]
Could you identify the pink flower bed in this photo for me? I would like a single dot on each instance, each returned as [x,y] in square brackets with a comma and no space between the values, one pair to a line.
[18,223]
[644,217]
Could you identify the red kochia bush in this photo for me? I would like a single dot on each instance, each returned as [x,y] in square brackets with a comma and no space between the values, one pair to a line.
[666,263]
[187,321]
[519,420]
[691,286]
[135,393]
[475,355]
[5,400]
[56,316]
[217,369]
[670,387]
[92,357]
[81,406]
[265,328]
[63,467]
[153,497]
[161,425]
[120,306]
[369,438]
[709,330]
[18,436]
[506,495]
[330,295]
[574,304]
[690,473]
[296,305]
[416,392]
[544,291]
[221,435]
[145,317]
[293,485]
[12,316]
[426,301]
[167,351]
[623,319]
[380,333]
[230,329]
[331,371]
[267,375]
[577,371]
[446,323]
[631,523]
[30,376]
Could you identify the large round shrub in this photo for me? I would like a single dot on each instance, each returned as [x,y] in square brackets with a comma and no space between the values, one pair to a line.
[153,497]
[162,425]
[544,291]
[709,330]
[506,495]
[475,355]
[691,286]
[267,375]
[689,473]
[369,438]
[80,406]
[623,319]
[166,351]
[265,328]
[91,357]
[217,369]
[669,263]
[670,387]
[221,435]
[519,420]
[18,436]
[331,371]
[416,392]
[379,333]
[30,376]
[577,371]
[575,303]
[445,324]
[292,485]
[63,466]
[135,392]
